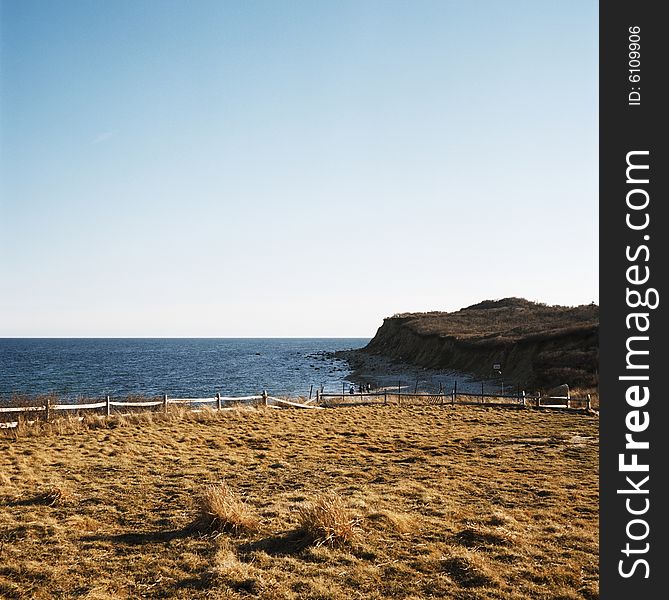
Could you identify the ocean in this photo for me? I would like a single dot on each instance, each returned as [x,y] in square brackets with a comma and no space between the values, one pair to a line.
[178,367]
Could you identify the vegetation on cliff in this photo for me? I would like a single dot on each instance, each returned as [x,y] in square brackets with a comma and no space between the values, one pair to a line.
[536,344]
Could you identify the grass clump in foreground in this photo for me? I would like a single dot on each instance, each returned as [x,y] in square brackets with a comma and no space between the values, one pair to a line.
[220,509]
[460,502]
[327,520]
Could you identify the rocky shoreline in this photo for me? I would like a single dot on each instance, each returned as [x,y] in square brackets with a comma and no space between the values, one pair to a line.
[382,372]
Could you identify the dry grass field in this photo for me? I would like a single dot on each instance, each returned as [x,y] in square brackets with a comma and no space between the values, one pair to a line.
[366,502]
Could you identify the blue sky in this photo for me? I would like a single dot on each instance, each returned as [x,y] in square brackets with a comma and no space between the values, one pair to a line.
[291,168]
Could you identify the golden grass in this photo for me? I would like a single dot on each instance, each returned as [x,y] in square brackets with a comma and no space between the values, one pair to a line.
[453,502]
[220,509]
[327,520]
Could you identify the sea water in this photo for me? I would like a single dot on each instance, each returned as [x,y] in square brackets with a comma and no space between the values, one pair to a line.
[177,367]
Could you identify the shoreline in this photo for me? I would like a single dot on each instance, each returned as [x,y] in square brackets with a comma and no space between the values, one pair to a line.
[382,372]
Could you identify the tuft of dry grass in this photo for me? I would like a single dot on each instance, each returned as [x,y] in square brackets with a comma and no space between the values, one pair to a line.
[220,509]
[327,520]
[469,570]
[400,523]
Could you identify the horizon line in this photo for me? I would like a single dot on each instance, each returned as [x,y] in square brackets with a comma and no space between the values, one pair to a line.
[184,337]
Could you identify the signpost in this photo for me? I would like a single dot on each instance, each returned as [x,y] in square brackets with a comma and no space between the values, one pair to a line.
[497,368]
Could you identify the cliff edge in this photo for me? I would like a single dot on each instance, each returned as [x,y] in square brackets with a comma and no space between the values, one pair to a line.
[536,345]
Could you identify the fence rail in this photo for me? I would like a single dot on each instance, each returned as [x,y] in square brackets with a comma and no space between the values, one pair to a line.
[148,403]
[13,409]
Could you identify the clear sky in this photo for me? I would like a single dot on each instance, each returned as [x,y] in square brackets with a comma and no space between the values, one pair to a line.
[291,168]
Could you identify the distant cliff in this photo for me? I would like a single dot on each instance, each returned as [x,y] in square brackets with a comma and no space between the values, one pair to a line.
[535,344]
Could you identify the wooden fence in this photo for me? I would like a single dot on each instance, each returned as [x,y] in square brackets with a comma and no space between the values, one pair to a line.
[109,406]
[322,400]
[398,397]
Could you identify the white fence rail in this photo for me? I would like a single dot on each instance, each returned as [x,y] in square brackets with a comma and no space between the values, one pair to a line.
[272,401]
[14,409]
[149,403]
[77,406]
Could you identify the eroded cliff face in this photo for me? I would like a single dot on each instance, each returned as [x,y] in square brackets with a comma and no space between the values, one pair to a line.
[537,358]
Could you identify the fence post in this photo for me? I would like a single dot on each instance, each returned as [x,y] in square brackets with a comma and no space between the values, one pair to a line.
[108,407]
[311,389]
[218,400]
[47,409]
[455,390]
[342,391]
[165,403]
[318,396]
[399,392]
[264,396]
[523,397]
[587,405]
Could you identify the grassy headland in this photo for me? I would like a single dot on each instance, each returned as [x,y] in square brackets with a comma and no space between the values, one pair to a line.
[537,345]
